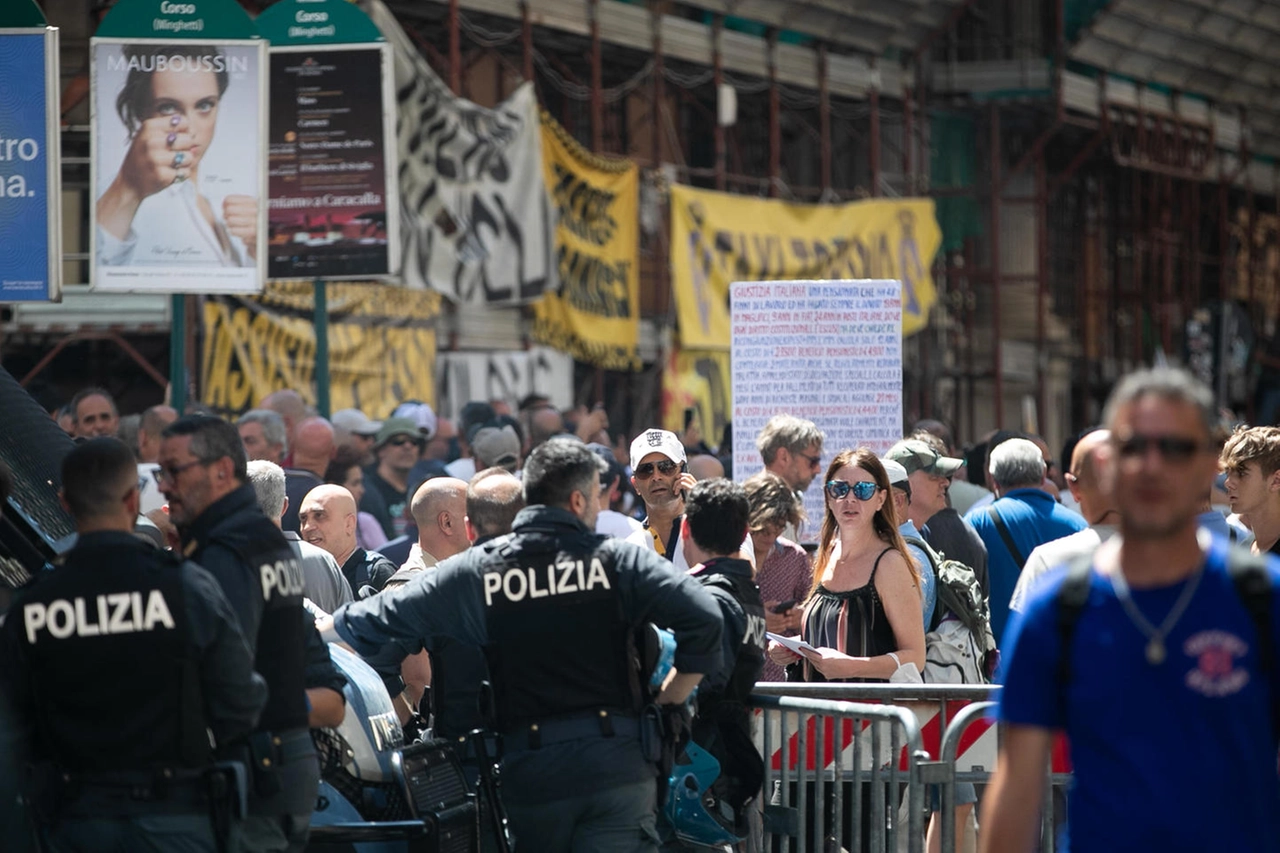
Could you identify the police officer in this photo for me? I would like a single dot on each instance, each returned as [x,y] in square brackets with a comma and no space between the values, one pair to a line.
[556,608]
[203,476]
[716,517]
[120,665]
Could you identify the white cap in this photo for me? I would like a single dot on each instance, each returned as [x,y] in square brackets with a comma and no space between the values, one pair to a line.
[897,473]
[355,421]
[419,413]
[656,441]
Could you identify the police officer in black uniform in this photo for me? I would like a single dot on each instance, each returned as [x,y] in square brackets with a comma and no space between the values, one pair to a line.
[715,520]
[203,476]
[120,665]
[556,608]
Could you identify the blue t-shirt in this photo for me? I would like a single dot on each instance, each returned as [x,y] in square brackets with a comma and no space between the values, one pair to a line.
[928,580]
[1033,518]
[1176,757]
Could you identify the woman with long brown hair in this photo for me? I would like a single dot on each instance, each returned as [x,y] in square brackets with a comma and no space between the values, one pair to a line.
[863,613]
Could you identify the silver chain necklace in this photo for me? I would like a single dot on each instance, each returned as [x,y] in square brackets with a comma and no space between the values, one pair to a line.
[1155,650]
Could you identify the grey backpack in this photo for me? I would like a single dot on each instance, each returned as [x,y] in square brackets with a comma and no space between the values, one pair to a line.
[959,647]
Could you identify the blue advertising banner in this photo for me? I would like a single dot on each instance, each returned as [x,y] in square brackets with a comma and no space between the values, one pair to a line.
[30,231]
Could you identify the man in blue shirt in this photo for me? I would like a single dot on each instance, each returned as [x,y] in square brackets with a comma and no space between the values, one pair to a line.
[901,494]
[1028,515]
[1163,683]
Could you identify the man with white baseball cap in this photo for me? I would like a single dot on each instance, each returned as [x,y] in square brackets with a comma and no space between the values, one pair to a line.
[660,476]
[353,429]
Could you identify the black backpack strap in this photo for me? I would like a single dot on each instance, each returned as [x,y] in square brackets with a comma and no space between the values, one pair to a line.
[1253,586]
[1006,536]
[1072,597]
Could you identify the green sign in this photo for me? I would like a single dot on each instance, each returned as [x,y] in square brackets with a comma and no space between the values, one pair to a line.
[20,13]
[316,22]
[177,19]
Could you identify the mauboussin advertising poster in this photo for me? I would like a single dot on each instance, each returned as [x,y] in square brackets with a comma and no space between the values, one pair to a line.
[328,168]
[178,166]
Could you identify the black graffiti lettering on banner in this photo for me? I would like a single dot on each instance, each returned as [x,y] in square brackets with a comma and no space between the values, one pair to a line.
[718,384]
[594,285]
[769,256]
[585,210]
[607,356]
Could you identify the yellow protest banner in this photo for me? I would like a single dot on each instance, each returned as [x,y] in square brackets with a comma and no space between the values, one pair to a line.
[698,380]
[717,239]
[382,346]
[595,317]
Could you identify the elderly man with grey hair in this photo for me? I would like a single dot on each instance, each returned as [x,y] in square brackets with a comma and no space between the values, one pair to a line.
[264,436]
[323,581]
[1022,517]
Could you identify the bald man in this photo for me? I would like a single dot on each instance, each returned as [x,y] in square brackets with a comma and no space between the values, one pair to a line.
[327,519]
[314,445]
[439,508]
[1085,479]
[705,467]
[288,404]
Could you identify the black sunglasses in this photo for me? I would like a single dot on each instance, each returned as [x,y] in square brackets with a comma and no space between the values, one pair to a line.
[863,490]
[402,440]
[666,468]
[1173,448]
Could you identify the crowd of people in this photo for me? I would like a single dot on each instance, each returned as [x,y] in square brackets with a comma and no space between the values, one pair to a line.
[522,550]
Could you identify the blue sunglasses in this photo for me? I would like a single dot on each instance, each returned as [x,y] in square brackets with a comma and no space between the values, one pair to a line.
[840,489]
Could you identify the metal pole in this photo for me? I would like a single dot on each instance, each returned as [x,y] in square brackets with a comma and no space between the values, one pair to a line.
[908,132]
[597,79]
[178,352]
[824,118]
[717,76]
[321,322]
[659,84]
[1042,288]
[998,377]
[455,49]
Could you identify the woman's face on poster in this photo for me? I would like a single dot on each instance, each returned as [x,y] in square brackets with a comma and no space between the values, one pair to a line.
[192,96]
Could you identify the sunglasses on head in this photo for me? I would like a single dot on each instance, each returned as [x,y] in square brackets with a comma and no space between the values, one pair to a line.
[863,490]
[1172,447]
[666,468]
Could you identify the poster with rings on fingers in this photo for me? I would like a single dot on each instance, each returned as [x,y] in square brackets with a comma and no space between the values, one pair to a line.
[178,149]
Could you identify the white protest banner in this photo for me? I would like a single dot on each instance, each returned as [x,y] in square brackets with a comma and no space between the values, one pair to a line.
[478,224]
[827,351]
[503,375]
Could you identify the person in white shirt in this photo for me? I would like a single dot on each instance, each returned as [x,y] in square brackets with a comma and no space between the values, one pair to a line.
[610,522]
[1086,482]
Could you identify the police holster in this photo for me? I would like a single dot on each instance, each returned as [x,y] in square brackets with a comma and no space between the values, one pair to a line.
[227,786]
[265,759]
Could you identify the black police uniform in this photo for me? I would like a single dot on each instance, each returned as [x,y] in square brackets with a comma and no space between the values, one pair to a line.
[722,725]
[264,581]
[556,608]
[118,665]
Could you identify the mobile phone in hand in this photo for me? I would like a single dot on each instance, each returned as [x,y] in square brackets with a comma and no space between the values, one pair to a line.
[784,606]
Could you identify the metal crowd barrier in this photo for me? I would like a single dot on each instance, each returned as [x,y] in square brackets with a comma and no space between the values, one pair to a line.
[906,741]
[829,751]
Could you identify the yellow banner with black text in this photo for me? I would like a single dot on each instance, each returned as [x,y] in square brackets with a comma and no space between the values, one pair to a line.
[382,346]
[717,239]
[595,316]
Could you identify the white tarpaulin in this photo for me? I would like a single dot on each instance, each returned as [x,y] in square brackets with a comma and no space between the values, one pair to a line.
[478,225]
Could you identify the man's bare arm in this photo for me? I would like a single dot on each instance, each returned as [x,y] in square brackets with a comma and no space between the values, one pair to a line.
[1011,806]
